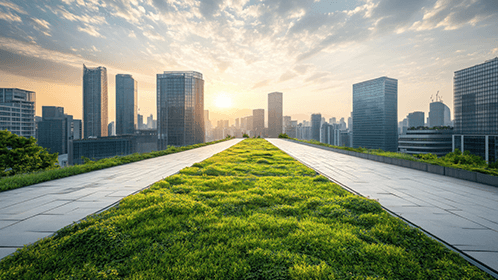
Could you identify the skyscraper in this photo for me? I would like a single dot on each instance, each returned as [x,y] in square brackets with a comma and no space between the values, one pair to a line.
[17,110]
[439,114]
[316,120]
[476,110]
[94,101]
[126,104]
[54,131]
[275,113]
[180,109]
[375,114]
[416,119]
[258,122]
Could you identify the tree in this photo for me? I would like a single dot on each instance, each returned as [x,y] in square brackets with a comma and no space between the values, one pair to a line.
[21,155]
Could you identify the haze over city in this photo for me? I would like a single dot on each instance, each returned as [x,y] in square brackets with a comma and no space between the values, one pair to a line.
[312,51]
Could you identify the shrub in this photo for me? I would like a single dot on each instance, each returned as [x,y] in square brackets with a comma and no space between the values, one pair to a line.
[20,155]
[245,135]
[283,135]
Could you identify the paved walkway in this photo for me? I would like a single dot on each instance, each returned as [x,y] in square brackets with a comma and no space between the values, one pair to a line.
[30,213]
[461,213]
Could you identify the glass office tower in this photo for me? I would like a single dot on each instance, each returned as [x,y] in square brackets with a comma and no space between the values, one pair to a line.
[476,110]
[375,114]
[180,109]
[17,111]
[126,104]
[275,114]
[316,121]
[476,99]
[94,102]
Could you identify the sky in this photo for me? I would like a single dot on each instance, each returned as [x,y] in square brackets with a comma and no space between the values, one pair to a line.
[311,50]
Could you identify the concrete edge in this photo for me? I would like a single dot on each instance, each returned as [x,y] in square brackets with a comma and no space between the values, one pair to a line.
[462,174]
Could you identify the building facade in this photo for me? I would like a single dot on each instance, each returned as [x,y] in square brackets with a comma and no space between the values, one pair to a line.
[17,111]
[275,114]
[55,130]
[126,104]
[316,121]
[375,114]
[258,120]
[476,110]
[180,109]
[439,114]
[425,141]
[416,119]
[94,102]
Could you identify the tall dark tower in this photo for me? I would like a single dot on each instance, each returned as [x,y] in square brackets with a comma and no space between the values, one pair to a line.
[180,109]
[275,114]
[126,104]
[94,102]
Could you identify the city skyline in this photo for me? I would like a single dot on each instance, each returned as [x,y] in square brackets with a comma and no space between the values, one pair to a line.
[311,51]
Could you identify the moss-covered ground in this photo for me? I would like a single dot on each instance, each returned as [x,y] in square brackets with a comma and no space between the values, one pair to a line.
[250,212]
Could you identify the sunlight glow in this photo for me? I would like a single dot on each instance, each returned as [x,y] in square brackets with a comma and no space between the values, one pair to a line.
[223,101]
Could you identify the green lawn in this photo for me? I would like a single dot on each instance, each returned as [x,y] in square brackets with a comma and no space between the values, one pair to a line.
[23,180]
[250,212]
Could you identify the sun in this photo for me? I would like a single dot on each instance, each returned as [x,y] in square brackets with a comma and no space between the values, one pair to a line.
[223,101]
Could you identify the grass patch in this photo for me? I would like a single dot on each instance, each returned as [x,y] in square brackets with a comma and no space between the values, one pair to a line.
[235,217]
[465,161]
[23,180]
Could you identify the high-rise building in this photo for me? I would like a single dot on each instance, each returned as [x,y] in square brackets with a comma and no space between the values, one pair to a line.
[275,113]
[17,111]
[94,101]
[316,120]
[416,119]
[375,114]
[54,130]
[140,121]
[350,124]
[111,129]
[126,104]
[180,109]
[332,120]
[77,129]
[237,124]
[476,110]
[258,122]
[439,114]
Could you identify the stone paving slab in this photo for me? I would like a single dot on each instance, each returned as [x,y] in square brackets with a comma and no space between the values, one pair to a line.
[34,212]
[461,213]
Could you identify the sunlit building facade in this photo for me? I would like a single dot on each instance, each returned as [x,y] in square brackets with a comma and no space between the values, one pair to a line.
[258,120]
[180,109]
[94,102]
[126,104]
[275,114]
[17,111]
[375,114]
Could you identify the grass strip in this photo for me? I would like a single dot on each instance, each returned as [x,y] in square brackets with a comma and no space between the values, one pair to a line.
[23,180]
[462,161]
[250,212]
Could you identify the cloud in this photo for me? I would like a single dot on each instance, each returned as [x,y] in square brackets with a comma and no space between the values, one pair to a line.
[454,14]
[152,35]
[287,76]
[10,17]
[13,7]
[91,30]
[261,84]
